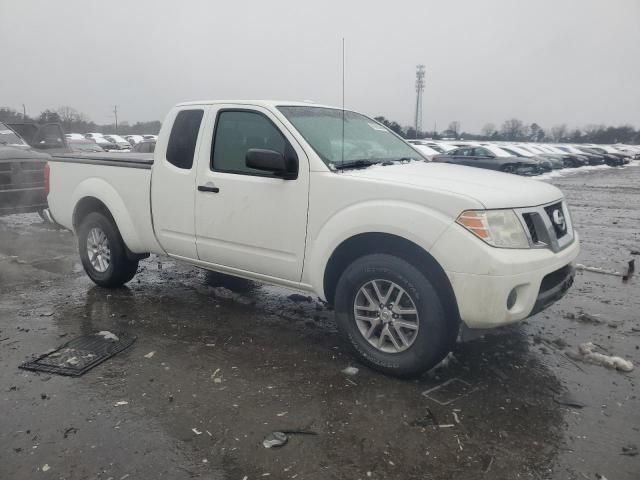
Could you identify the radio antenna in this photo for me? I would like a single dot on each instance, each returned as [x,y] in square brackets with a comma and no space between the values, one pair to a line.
[343,99]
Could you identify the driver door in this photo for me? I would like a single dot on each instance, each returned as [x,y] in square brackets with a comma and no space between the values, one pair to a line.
[248,220]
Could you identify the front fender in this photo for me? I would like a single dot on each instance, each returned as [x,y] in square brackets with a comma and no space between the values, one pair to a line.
[103,191]
[413,222]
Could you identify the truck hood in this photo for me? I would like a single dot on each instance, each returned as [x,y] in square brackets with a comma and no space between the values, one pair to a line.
[491,189]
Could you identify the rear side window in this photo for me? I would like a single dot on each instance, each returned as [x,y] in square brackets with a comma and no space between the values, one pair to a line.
[236,133]
[183,137]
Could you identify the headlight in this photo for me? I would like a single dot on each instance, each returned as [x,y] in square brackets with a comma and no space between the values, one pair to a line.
[498,228]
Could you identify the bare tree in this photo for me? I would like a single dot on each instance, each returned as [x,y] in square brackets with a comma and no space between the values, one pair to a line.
[488,130]
[559,132]
[513,129]
[454,127]
[69,114]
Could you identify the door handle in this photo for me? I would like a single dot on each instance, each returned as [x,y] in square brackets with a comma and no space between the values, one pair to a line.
[208,188]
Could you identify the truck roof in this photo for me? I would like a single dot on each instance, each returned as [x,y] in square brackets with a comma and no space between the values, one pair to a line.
[260,103]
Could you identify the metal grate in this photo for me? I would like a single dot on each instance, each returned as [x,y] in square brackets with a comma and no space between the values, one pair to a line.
[79,355]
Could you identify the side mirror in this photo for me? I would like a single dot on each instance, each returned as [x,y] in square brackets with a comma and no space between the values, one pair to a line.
[268,161]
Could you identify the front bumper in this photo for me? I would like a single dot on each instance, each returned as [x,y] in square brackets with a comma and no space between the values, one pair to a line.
[539,277]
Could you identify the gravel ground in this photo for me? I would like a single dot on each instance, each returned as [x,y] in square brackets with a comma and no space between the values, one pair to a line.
[230,367]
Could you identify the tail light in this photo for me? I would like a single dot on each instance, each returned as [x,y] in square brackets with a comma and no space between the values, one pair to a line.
[47,174]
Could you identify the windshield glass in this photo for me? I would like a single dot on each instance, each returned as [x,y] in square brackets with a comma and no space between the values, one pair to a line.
[9,137]
[364,139]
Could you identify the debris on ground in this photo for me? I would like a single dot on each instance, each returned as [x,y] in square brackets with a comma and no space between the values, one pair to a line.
[586,354]
[196,431]
[429,420]
[280,438]
[568,400]
[584,318]
[449,391]
[120,403]
[296,297]
[631,267]
[351,371]
[45,467]
[108,335]
[630,450]
[275,439]
[69,431]
[79,355]
[606,271]
[150,355]
[224,293]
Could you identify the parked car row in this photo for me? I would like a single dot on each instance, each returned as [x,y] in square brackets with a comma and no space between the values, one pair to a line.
[108,142]
[527,159]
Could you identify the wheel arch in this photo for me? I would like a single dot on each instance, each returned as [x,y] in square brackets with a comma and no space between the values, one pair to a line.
[89,204]
[96,193]
[376,242]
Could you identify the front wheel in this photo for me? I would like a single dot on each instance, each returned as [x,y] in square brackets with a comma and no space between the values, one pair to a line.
[392,316]
[508,169]
[103,252]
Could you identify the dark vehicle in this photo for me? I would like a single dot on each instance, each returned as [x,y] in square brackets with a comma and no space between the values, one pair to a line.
[611,159]
[569,160]
[83,146]
[48,137]
[146,146]
[592,158]
[545,164]
[22,172]
[491,158]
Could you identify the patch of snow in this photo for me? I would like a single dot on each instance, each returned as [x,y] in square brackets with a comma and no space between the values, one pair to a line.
[108,335]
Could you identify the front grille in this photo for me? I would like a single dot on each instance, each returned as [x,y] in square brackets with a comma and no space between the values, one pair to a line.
[531,226]
[547,226]
[554,279]
[556,215]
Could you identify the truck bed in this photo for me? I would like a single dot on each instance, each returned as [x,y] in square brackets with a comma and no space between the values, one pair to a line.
[121,181]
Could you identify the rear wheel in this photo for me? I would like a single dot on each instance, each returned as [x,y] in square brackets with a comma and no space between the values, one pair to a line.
[103,253]
[392,316]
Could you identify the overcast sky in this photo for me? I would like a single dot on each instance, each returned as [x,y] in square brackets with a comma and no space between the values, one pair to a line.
[545,61]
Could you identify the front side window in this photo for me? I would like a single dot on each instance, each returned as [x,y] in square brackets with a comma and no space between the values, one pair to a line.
[481,152]
[183,138]
[240,131]
[364,139]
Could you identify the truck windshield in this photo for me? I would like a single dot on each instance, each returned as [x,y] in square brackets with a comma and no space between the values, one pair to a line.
[365,141]
[9,137]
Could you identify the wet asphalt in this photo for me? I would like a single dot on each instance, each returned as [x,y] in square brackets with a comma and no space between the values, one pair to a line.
[231,364]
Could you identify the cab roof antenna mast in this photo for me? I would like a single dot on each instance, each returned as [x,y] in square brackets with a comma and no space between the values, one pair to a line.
[342,99]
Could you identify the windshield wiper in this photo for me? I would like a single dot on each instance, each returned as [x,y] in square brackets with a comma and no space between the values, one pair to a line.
[399,160]
[353,164]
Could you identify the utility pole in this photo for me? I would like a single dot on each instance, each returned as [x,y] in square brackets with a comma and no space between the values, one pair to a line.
[24,113]
[115,112]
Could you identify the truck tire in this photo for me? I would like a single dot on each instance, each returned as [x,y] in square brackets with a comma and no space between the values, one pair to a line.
[392,316]
[103,253]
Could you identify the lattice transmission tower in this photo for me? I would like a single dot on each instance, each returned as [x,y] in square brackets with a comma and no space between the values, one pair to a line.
[420,74]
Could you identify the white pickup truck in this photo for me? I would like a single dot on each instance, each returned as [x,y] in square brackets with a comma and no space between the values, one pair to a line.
[330,202]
